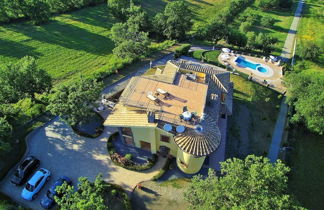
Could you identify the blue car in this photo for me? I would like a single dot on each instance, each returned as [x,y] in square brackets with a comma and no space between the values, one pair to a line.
[48,200]
[35,184]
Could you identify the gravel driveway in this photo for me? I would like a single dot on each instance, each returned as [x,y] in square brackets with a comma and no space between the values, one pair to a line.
[63,152]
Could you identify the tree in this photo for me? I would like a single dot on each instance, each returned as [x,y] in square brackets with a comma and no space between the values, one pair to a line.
[268,4]
[215,31]
[245,27]
[175,20]
[236,38]
[23,79]
[5,133]
[267,21]
[305,93]
[130,42]
[73,103]
[253,183]
[265,42]
[88,195]
[118,8]
[37,10]
[310,51]
[136,16]
[251,40]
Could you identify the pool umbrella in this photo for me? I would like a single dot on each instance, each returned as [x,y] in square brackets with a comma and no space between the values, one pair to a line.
[226,50]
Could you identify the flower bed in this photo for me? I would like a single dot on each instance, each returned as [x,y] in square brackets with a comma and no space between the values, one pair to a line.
[125,161]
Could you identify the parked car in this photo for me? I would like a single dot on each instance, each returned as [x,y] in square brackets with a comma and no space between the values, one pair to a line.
[24,170]
[48,200]
[35,184]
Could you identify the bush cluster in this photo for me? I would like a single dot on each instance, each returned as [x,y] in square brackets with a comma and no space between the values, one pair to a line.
[182,50]
[126,161]
[39,11]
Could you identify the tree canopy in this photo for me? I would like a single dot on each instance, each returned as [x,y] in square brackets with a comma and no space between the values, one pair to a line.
[74,102]
[5,132]
[23,79]
[215,31]
[118,8]
[130,42]
[305,93]
[253,183]
[87,196]
[175,21]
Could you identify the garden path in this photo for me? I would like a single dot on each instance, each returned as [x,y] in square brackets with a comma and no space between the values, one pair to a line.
[289,46]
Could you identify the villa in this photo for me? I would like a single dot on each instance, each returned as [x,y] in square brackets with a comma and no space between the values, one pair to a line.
[181,110]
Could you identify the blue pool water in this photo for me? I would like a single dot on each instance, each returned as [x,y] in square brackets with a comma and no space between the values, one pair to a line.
[254,66]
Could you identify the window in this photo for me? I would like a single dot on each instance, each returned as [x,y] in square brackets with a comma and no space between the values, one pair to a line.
[145,145]
[223,116]
[183,164]
[127,131]
[165,138]
[223,96]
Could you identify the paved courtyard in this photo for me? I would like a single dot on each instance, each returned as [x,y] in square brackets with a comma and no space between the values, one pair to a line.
[64,153]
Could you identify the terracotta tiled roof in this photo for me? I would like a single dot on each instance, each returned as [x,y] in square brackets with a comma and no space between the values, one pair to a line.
[201,141]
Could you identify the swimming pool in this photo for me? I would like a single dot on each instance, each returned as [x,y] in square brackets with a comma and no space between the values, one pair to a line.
[242,62]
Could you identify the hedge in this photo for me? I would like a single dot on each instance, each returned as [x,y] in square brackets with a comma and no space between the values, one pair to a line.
[182,50]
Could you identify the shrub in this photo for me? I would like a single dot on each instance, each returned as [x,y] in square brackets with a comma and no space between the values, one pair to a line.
[129,156]
[126,161]
[267,21]
[114,192]
[310,51]
[182,50]
[245,27]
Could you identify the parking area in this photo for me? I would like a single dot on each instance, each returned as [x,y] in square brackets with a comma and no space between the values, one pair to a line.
[63,152]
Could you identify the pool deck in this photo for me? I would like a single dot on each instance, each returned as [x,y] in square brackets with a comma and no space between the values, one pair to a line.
[275,80]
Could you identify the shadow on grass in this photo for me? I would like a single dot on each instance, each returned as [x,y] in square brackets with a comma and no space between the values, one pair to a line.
[96,16]
[16,50]
[66,35]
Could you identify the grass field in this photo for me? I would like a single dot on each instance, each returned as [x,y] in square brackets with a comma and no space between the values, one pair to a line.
[306,179]
[78,43]
[281,27]
[255,110]
[70,44]
[311,29]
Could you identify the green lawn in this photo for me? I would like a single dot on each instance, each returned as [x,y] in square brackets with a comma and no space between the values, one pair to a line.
[306,180]
[311,29]
[210,56]
[255,110]
[281,27]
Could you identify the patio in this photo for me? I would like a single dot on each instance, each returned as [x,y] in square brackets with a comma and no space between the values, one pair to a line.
[138,155]
[273,80]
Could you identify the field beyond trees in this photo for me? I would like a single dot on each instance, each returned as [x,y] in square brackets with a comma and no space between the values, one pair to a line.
[78,43]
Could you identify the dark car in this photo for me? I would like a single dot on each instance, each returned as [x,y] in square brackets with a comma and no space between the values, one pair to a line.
[24,170]
[48,201]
